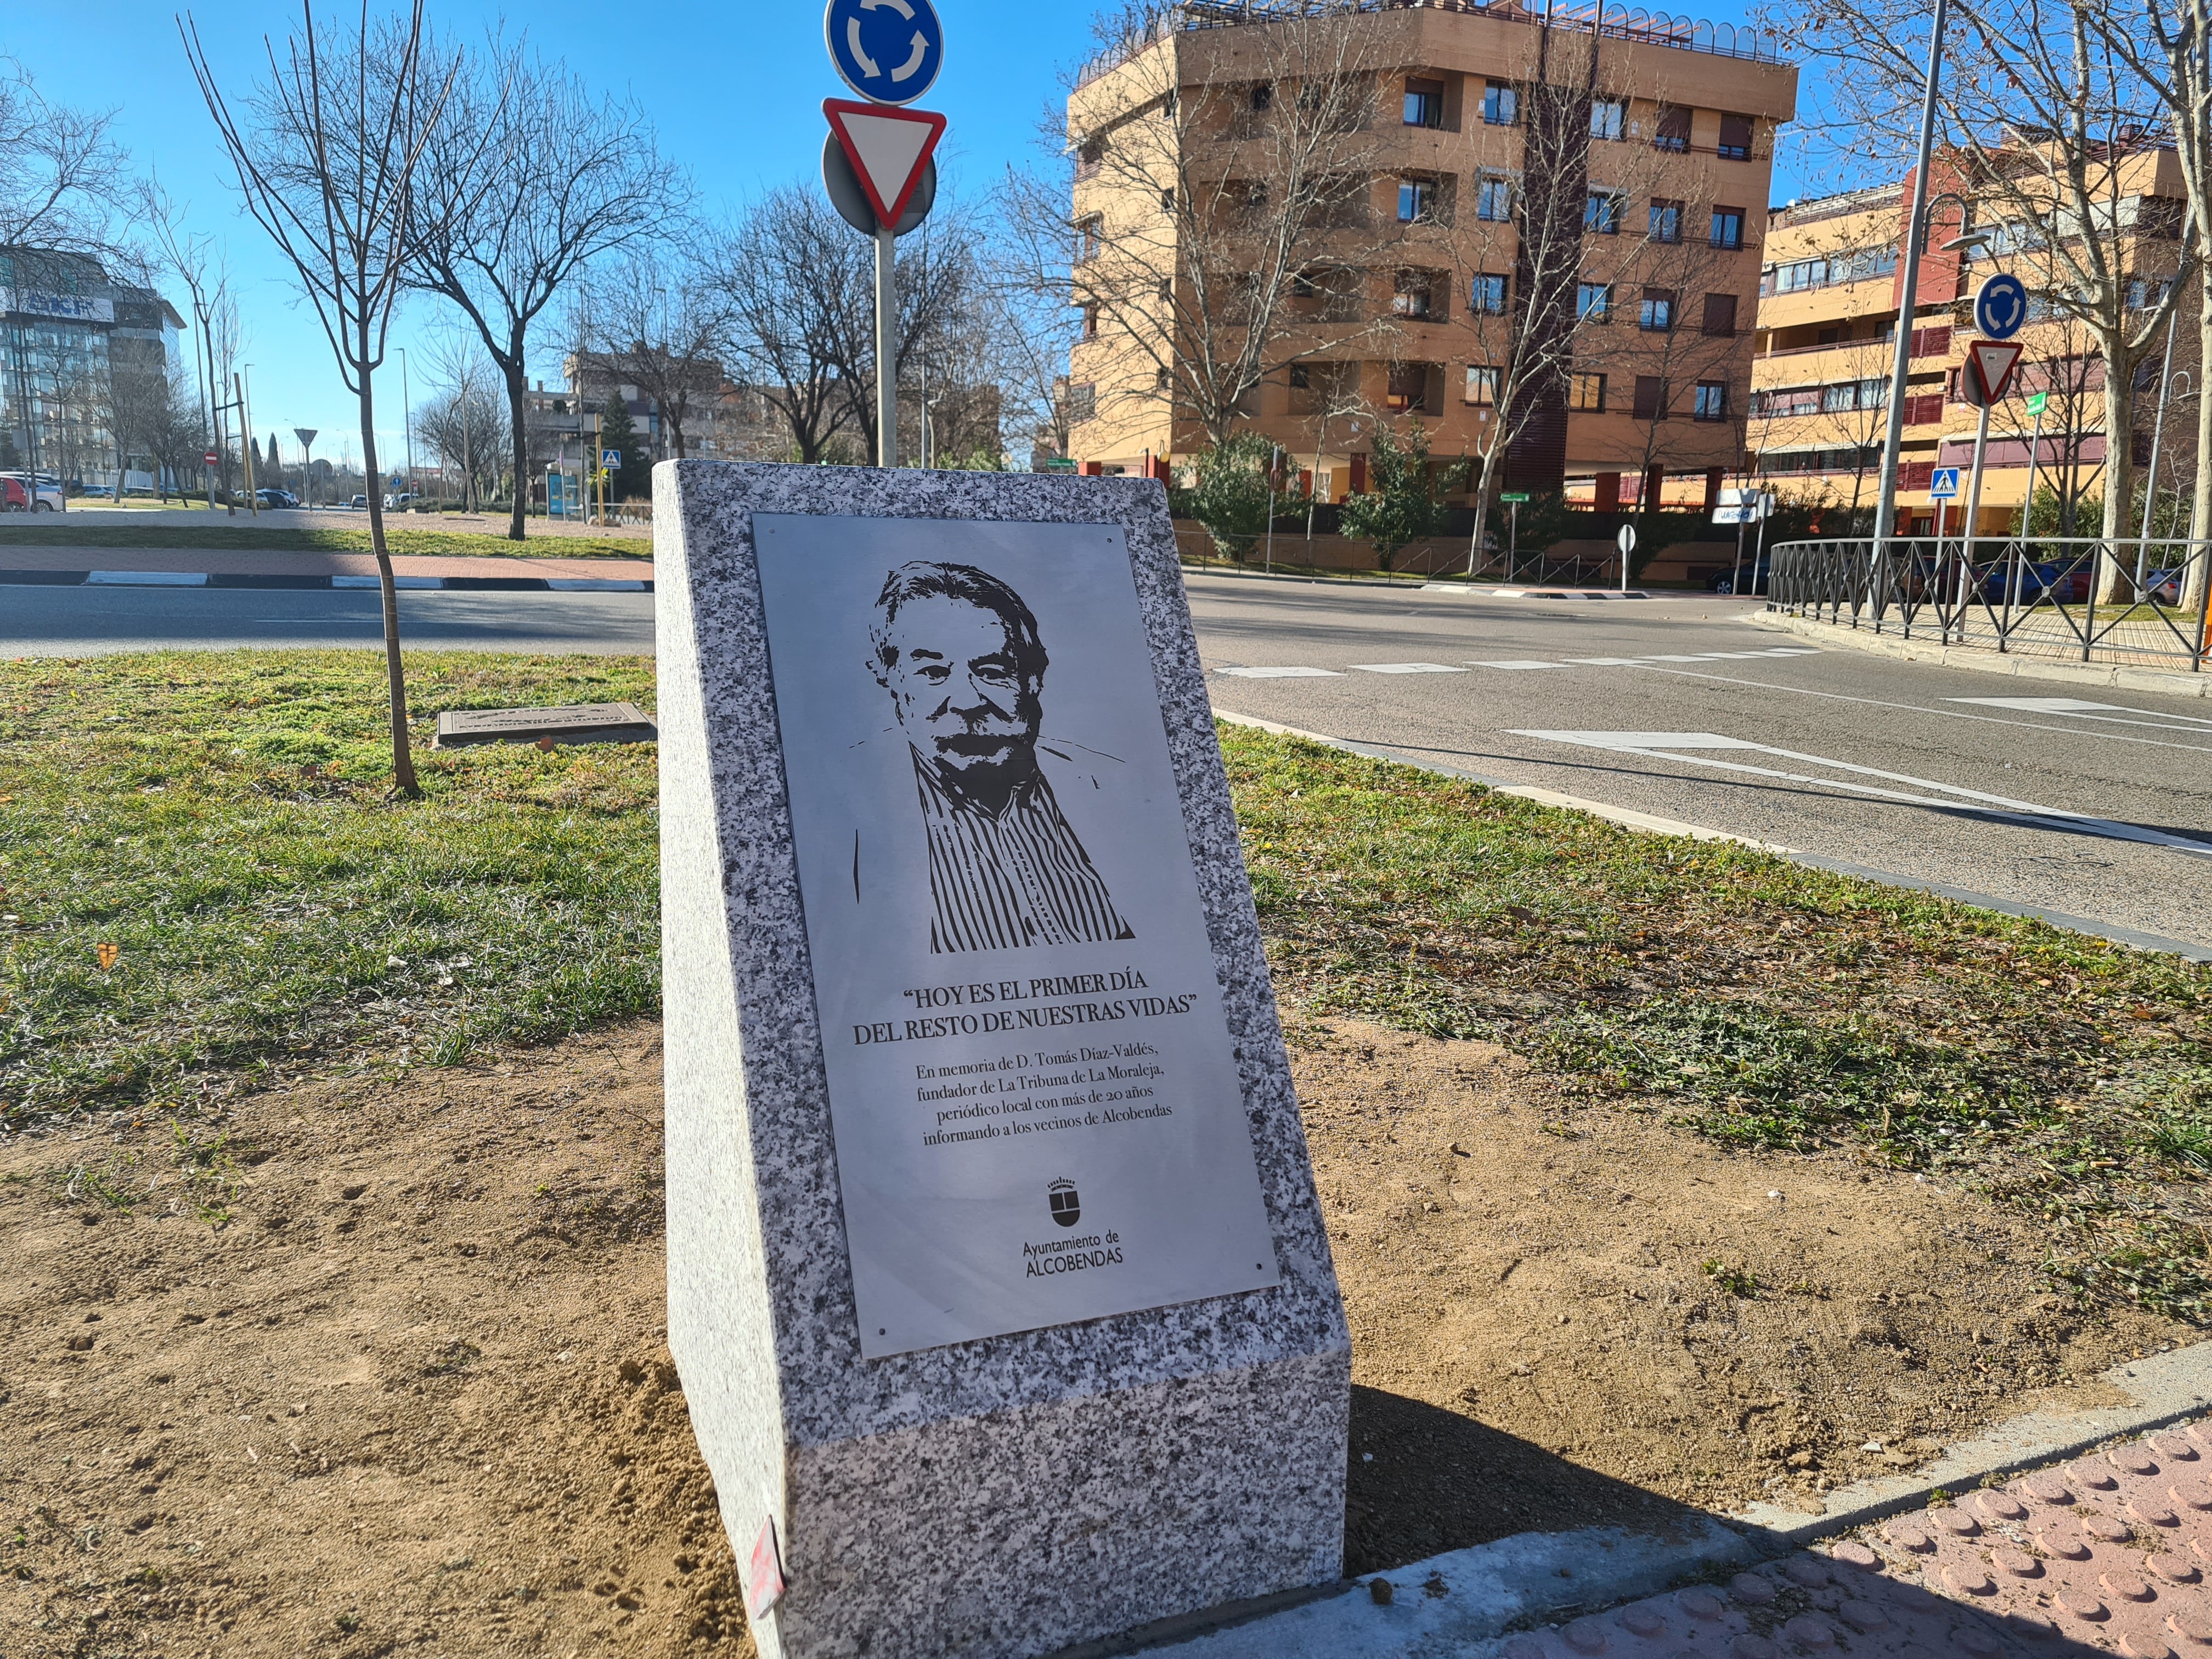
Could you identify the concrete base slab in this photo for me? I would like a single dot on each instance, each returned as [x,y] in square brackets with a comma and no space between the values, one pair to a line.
[2171,683]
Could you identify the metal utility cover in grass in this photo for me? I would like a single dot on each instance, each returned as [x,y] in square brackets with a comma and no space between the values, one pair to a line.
[575,722]
[989,1211]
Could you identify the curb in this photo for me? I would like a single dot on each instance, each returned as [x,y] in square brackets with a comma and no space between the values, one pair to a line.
[2176,684]
[1458,1603]
[319,584]
[1543,592]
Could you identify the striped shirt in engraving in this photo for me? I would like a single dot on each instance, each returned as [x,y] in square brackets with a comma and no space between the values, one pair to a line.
[1013,878]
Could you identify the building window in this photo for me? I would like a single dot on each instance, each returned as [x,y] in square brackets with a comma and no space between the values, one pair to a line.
[1609,117]
[1736,138]
[1301,377]
[1650,398]
[1593,302]
[1090,322]
[1482,385]
[1082,401]
[1666,221]
[1486,295]
[1601,213]
[1656,314]
[1415,294]
[1713,401]
[1167,201]
[1586,393]
[1672,130]
[1727,227]
[1089,233]
[1501,105]
[1263,95]
[1087,155]
[1417,201]
[1493,199]
[1409,387]
[1720,316]
[1424,103]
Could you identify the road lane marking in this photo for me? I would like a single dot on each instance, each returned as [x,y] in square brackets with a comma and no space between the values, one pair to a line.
[1406,668]
[2101,712]
[1516,662]
[1282,673]
[1608,662]
[1683,748]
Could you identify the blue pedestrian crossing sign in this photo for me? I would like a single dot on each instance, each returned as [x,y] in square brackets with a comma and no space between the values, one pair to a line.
[610,459]
[888,50]
[1943,485]
[2000,305]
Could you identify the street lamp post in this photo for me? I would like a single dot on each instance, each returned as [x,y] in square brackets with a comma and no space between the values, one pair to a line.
[407,416]
[1884,515]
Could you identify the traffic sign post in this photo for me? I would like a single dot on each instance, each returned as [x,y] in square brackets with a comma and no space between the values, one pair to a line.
[2000,309]
[1626,541]
[889,52]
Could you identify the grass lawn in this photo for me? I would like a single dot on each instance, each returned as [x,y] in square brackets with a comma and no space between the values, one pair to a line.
[246,536]
[220,819]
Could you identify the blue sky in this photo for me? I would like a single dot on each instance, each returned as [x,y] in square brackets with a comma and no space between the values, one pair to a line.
[735,90]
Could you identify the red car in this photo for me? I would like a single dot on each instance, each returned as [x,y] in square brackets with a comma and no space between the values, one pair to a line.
[14,498]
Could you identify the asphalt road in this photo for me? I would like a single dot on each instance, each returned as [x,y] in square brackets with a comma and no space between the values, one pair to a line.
[80,621]
[2080,801]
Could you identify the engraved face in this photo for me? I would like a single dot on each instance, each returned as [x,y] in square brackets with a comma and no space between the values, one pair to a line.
[960,694]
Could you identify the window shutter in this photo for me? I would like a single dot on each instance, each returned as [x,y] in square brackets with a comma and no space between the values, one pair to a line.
[1720,314]
[1673,129]
[1650,398]
[1736,137]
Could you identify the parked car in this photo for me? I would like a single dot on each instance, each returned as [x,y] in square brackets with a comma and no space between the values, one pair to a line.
[14,498]
[273,497]
[358,503]
[1754,574]
[46,495]
[96,493]
[395,502]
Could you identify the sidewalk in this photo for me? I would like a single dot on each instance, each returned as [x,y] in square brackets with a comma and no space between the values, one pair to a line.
[141,566]
[2178,682]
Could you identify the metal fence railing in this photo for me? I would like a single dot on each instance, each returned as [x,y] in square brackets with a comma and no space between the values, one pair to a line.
[2138,601]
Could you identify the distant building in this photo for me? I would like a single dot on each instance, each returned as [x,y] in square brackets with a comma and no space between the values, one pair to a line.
[64,328]
[1826,342]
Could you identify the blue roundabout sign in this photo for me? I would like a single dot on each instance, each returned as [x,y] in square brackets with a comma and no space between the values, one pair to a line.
[887,50]
[2000,305]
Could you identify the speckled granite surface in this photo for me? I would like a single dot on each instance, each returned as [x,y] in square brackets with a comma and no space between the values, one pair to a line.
[1000,1497]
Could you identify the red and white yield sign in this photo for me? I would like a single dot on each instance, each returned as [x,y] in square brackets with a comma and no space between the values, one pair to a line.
[887,147]
[1991,363]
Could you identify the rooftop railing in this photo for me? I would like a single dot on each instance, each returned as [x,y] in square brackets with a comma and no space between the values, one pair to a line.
[1613,23]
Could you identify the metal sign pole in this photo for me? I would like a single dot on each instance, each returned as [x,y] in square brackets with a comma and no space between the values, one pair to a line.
[886,350]
[1916,232]
[1973,512]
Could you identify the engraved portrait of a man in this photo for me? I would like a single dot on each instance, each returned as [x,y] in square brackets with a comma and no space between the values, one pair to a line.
[959,655]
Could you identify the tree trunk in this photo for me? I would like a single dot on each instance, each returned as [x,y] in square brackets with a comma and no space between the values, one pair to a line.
[518,389]
[2115,581]
[403,756]
[2200,507]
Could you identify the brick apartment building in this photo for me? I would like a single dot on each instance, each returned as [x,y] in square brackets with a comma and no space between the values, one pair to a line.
[1829,297]
[1667,207]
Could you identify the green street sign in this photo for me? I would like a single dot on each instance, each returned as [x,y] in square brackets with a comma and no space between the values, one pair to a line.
[1517,496]
[2037,402]
[1060,463]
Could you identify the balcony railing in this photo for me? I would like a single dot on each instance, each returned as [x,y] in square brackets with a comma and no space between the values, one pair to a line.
[1613,23]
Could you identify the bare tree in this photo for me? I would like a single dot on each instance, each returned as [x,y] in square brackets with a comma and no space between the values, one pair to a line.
[527,179]
[2046,126]
[2168,44]
[465,420]
[1213,173]
[655,322]
[62,178]
[795,284]
[326,164]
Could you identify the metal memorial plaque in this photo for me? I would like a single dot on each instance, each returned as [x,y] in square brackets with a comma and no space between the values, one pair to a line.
[1034,1095]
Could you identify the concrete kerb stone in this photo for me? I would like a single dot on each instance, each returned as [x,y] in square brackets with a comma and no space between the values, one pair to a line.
[2110,675]
[1458,1605]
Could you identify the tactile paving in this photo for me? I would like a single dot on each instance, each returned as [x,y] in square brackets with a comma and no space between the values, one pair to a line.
[2111,1553]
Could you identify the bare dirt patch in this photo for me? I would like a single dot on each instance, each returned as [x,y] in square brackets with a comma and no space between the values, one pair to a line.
[379,1364]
